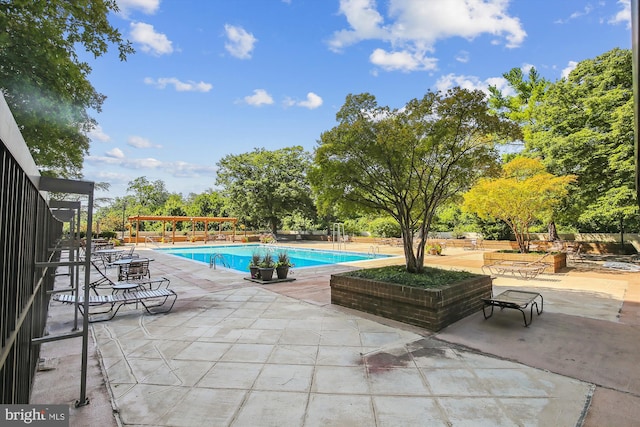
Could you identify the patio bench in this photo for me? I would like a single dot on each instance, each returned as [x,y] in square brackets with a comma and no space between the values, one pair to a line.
[154,301]
[514,299]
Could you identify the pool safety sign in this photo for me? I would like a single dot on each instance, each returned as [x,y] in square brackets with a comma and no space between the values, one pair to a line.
[34,415]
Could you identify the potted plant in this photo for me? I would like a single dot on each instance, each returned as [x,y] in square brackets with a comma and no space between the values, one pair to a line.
[254,265]
[434,249]
[283,264]
[267,266]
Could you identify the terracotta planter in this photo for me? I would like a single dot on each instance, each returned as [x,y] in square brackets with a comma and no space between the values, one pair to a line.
[557,261]
[432,309]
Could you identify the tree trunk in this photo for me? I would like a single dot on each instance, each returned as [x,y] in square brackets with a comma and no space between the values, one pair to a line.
[553,232]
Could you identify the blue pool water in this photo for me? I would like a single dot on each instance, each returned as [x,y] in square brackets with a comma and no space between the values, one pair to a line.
[238,257]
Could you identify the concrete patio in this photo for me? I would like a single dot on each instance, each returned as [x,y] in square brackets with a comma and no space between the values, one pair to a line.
[236,353]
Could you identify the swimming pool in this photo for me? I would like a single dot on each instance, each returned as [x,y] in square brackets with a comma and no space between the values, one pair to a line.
[237,257]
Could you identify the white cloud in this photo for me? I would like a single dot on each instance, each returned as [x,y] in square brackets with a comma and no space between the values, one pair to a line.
[462,56]
[313,101]
[526,68]
[449,81]
[259,97]
[624,15]
[177,169]
[239,43]
[413,28]
[150,41]
[180,86]
[115,153]
[145,6]
[97,134]
[139,142]
[568,69]
[402,61]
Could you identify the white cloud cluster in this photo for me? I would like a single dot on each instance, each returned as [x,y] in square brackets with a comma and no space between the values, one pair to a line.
[260,97]
[312,102]
[624,15]
[150,40]
[139,142]
[568,69]
[116,157]
[97,134]
[449,81]
[414,27]
[239,43]
[146,6]
[180,86]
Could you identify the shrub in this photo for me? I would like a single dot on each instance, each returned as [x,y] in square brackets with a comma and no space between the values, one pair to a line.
[385,227]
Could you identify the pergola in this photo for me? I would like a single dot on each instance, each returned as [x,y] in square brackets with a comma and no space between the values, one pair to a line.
[174,219]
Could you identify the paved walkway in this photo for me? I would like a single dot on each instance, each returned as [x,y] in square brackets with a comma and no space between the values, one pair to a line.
[234,353]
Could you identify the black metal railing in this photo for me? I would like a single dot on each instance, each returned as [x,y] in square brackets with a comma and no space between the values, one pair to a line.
[27,231]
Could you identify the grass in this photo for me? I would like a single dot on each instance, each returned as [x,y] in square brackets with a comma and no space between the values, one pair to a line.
[429,278]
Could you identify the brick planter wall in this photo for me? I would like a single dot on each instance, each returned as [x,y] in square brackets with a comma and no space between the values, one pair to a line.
[431,309]
[557,261]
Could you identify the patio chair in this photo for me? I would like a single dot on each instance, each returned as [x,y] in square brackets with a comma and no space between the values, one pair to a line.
[574,252]
[129,253]
[104,282]
[136,270]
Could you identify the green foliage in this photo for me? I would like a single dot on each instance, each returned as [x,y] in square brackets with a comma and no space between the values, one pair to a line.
[407,162]
[523,194]
[267,261]
[283,260]
[428,278]
[43,79]
[255,259]
[583,125]
[385,227]
[264,186]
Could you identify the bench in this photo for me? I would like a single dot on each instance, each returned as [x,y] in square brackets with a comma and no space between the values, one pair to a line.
[154,301]
[517,300]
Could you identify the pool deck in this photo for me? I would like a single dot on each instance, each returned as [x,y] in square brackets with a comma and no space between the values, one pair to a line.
[237,353]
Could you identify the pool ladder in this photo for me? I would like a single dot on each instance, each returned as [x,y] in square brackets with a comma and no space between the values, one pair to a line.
[214,257]
[373,250]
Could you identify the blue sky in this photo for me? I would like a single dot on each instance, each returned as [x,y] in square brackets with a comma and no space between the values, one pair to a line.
[216,77]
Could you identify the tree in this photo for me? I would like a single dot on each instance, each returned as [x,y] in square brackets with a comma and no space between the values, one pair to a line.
[582,125]
[523,194]
[149,196]
[263,186]
[407,162]
[44,81]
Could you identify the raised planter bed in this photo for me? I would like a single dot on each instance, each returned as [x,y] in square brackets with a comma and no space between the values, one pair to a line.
[557,261]
[431,309]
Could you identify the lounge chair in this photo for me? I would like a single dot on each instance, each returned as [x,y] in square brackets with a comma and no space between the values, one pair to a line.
[151,300]
[526,270]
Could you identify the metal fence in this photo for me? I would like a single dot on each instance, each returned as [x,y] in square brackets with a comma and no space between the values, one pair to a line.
[27,231]
[31,248]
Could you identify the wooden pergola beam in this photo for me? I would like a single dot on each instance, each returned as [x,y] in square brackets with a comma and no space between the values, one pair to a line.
[174,219]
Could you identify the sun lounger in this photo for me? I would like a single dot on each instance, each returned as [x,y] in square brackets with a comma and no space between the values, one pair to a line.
[154,301]
[526,270]
[517,300]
